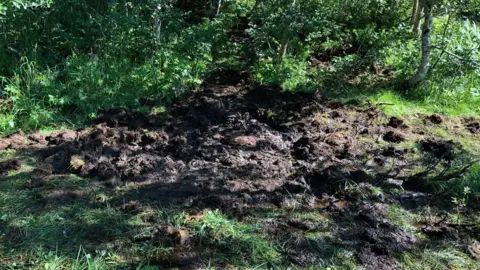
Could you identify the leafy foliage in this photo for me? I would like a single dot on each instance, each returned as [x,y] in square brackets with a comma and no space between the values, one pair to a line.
[64,60]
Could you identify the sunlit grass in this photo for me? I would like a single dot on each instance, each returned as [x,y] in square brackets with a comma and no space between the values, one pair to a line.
[430,259]
[242,241]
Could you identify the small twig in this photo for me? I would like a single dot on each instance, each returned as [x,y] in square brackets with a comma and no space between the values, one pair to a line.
[441,221]
[452,176]
[445,170]
[441,193]
[368,159]
[384,104]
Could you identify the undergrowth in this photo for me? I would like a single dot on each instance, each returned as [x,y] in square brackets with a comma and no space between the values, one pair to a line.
[52,76]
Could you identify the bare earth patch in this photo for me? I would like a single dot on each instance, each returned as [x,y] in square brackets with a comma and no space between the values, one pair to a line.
[243,150]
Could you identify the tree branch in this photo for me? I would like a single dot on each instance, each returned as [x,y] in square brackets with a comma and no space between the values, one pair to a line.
[457,56]
[443,37]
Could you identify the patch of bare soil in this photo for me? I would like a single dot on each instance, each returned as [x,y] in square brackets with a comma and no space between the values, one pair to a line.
[10,165]
[474,127]
[235,148]
[472,124]
[434,119]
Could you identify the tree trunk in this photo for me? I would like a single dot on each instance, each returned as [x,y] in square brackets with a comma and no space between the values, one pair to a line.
[283,50]
[426,36]
[219,5]
[284,45]
[416,12]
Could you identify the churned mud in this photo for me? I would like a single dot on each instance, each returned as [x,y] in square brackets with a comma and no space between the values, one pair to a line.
[241,149]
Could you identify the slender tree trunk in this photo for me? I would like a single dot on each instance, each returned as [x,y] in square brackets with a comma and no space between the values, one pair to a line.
[260,5]
[416,12]
[219,5]
[426,47]
[283,50]
[284,45]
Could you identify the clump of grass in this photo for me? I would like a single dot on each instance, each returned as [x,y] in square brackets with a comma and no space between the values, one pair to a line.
[242,243]
[471,181]
[7,154]
[402,218]
[437,259]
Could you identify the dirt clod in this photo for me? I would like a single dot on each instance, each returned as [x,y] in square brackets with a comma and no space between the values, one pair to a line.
[474,127]
[11,165]
[440,149]
[302,225]
[65,196]
[174,235]
[132,207]
[434,119]
[246,140]
[394,136]
[396,122]
[373,261]
[66,136]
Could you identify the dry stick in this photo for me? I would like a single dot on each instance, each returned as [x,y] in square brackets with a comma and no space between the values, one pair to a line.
[441,221]
[445,170]
[383,176]
[14,51]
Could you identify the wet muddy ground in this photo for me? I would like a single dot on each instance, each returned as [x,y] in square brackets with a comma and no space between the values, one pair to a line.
[245,149]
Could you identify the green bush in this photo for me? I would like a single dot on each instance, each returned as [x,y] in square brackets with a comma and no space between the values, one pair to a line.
[63,60]
[290,74]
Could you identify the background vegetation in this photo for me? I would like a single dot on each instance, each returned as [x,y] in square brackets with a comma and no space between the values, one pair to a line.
[63,60]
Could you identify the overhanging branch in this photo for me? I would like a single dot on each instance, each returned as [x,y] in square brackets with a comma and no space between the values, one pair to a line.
[477,63]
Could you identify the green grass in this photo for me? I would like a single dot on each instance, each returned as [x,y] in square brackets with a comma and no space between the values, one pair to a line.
[244,243]
[91,233]
[396,103]
[52,237]
[429,259]
[404,107]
